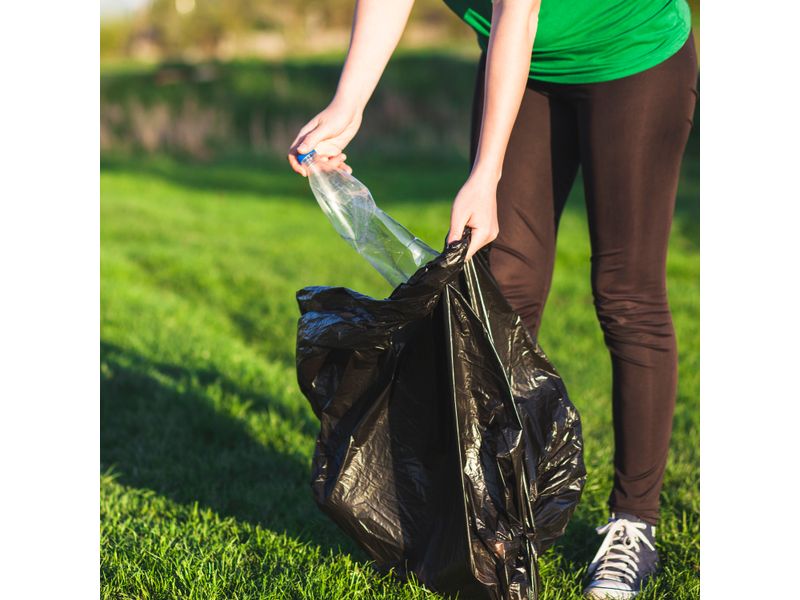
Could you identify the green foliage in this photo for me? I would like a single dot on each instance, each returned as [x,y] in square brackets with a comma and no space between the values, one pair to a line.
[215,108]
[207,23]
[175,29]
[206,441]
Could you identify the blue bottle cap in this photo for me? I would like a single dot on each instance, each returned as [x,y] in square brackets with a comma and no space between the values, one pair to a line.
[302,157]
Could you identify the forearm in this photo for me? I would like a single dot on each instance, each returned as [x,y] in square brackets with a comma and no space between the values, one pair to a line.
[377,28]
[507,69]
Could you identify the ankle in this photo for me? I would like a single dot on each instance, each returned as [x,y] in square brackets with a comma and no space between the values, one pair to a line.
[651,517]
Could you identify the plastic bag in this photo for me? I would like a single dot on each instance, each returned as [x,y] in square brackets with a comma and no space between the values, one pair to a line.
[448,447]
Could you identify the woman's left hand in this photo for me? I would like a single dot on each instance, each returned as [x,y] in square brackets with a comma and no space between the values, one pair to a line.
[475,207]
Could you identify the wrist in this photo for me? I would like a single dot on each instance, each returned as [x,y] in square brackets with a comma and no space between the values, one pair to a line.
[485,174]
[349,101]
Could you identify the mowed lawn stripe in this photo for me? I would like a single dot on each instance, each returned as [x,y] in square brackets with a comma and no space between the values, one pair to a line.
[206,442]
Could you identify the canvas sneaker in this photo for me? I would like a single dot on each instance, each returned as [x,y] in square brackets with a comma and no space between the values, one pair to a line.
[626,559]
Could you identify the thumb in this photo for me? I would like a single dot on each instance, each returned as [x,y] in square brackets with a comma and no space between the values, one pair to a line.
[457,224]
[313,138]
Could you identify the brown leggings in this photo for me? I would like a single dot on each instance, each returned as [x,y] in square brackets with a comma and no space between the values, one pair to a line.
[628,135]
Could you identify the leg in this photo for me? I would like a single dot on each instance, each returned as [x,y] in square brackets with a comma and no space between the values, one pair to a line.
[538,172]
[633,133]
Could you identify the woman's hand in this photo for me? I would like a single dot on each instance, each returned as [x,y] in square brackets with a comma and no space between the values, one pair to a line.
[475,207]
[328,133]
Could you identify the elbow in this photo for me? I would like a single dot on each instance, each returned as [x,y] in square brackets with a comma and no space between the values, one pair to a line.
[520,11]
[528,7]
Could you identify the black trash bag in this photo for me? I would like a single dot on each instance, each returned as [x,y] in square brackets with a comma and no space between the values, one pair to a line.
[448,447]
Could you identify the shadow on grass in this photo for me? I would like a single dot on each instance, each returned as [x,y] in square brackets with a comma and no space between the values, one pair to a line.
[402,182]
[246,175]
[579,542]
[416,178]
[409,180]
[160,431]
[411,123]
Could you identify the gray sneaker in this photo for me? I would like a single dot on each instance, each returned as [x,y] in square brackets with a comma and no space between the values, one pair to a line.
[626,559]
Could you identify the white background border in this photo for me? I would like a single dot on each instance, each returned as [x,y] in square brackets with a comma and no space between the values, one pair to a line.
[49,311]
[750,299]
[49,317]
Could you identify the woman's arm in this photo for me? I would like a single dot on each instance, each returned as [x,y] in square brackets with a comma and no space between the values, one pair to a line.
[377,27]
[508,64]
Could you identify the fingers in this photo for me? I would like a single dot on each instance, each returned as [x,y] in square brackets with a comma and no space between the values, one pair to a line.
[475,244]
[331,162]
[337,162]
[314,137]
[479,238]
[293,147]
[457,224]
[475,207]
[312,124]
[296,166]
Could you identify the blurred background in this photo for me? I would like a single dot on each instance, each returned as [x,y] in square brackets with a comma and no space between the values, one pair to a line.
[206,236]
[204,78]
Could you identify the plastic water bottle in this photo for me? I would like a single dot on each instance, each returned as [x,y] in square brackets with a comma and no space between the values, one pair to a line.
[389,247]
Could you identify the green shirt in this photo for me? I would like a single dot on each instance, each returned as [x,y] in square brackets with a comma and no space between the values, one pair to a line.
[585,41]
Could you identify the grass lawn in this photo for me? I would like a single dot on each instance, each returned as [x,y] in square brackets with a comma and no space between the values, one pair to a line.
[206,442]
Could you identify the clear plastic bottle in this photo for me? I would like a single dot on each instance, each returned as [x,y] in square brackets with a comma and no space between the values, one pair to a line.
[389,247]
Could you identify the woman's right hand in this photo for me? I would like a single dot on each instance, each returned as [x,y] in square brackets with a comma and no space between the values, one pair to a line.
[328,133]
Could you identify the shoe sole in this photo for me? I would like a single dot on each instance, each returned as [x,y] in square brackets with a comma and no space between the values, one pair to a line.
[600,594]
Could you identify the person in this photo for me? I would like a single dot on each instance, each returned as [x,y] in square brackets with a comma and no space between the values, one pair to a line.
[607,85]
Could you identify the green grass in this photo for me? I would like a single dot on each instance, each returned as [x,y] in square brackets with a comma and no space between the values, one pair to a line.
[206,441]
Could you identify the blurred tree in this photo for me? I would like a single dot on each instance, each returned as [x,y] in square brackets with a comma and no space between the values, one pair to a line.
[199,28]
[207,29]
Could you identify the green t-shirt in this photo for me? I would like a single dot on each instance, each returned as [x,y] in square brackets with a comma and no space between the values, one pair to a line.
[585,41]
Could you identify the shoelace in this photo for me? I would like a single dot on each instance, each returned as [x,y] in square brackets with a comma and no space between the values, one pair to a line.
[617,557]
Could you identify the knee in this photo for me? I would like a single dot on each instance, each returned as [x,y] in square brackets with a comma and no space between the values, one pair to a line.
[634,314]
